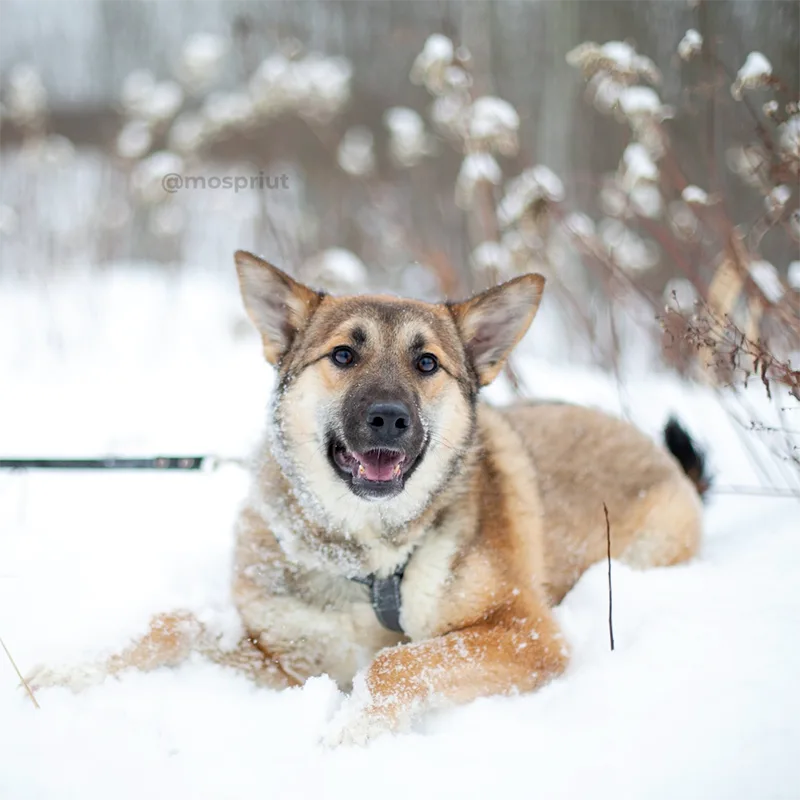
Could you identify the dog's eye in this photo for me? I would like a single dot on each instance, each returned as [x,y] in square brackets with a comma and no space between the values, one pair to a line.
[427,363]
[343,357]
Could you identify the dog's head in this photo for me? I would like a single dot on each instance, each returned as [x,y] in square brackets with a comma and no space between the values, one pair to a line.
[376,395]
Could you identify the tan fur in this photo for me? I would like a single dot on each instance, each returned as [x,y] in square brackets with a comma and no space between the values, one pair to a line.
[500,519]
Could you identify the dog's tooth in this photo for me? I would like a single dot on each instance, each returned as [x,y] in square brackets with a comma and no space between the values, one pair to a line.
[361,470]
[396,471]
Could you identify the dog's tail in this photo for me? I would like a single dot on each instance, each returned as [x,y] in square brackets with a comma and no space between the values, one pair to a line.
[688,454]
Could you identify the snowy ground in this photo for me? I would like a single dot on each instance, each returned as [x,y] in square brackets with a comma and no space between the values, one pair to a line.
[699,700]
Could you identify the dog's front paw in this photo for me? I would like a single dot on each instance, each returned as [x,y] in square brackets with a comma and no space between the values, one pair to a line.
[74,678]
[351,727]
[359,719]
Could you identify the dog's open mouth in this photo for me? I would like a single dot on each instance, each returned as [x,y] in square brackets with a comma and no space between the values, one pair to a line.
[377,472]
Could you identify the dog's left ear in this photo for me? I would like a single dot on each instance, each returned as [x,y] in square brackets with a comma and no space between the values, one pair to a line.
[491,323]
[278,305]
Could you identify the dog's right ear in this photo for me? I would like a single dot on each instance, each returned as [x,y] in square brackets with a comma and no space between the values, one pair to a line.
[278,305]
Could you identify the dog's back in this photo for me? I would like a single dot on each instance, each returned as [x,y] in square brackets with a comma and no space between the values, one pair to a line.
[585,459]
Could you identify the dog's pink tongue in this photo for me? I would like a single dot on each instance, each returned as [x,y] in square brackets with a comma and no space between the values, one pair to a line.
[379,465]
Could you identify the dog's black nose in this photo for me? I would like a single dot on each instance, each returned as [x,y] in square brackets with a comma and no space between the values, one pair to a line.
[388,421]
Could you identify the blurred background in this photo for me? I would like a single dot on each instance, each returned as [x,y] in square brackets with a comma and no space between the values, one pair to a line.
[643,156]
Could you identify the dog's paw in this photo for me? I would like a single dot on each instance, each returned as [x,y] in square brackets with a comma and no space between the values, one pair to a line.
[74,678]
[356,728]
[359,720]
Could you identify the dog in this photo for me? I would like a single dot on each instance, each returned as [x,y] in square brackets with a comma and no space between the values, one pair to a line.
[405,538]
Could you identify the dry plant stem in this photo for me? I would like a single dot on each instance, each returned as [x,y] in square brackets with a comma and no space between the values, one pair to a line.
[610,608]
[19,675]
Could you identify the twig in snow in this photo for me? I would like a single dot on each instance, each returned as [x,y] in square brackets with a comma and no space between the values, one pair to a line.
[608,543]
[19,675]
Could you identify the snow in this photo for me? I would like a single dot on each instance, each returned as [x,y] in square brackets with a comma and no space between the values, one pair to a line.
[698,700]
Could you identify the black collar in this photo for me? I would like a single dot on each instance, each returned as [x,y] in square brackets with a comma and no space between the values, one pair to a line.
[384,594]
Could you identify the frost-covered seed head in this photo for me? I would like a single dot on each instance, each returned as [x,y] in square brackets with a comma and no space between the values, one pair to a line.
[680,294]
[201,60]
[9,221]
[26,97]
[691,45]
[580,225]
[135,139]
[188,132]
[476,168]
[148,174]
[754,74]
[409,143]
[315,87]
[793,275]
[794,222]
[618,59]
[789,140]
[637,167]
[612,197]
[646,200]
[766,277]
[642,102]
[694,195]
[777,199]
[492,256]
[603,91]
[431,65]
[450,114]
[751,163]
[631,253]
[534,187]
[355,154]
[336,270]
[224,110]
[682,221]
[493,125]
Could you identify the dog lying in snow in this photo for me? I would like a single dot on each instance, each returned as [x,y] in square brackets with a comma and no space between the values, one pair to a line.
[402,536]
